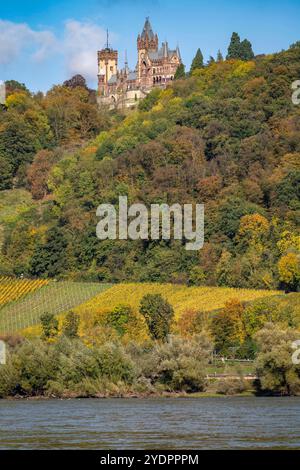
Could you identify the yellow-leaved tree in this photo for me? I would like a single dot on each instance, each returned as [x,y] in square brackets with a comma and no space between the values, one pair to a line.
[289,270]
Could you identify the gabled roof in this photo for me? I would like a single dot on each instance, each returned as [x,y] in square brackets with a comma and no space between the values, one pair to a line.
[114,79]
[164,51]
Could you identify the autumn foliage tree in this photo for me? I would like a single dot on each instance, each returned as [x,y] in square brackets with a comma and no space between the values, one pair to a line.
[289,270]
[49,326]
[158,314]
[71,325]
[38,173]
[227,328]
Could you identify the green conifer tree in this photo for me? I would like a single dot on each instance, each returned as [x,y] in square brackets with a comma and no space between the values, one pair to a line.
[197,61]
[6,173]
[220,56]
[240,50]
[234,48]
[246,52]
[180,72]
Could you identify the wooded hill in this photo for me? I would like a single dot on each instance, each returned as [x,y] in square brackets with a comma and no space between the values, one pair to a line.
[227,136]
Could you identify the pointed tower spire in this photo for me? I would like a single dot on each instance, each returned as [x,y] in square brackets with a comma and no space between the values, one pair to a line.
[147,31]
[107,39]
[178,52]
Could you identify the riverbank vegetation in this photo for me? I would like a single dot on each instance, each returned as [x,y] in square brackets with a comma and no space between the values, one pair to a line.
[183,356]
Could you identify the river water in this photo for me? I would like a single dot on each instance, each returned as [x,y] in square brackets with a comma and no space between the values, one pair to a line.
[160,423]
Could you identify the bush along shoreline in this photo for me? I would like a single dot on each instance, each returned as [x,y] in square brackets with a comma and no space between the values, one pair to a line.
[190,362]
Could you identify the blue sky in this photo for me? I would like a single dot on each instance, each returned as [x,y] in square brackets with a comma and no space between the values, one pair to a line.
[45,42]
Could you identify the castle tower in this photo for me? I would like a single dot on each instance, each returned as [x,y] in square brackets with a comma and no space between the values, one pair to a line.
[107,67]
[146,42]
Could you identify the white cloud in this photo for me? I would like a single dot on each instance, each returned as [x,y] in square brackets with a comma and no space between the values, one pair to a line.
[78,45]
[17,37]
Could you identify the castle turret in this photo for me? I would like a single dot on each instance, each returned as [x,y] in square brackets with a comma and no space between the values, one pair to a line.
[165,49]
[107,67]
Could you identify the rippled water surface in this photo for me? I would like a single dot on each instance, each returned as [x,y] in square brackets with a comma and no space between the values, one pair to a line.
[181,423]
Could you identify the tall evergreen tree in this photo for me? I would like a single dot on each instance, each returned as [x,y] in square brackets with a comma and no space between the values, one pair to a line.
[180,72]
[6,174]
[240,50]
[197,61]
[234,47]
[246,52]
[220,56]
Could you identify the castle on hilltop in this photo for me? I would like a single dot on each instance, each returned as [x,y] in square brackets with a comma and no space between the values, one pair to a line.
[155,67]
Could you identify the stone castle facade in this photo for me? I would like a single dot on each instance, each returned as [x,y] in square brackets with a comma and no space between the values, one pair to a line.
[155,67]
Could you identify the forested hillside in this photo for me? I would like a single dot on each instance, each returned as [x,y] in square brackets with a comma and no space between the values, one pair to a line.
[227,136]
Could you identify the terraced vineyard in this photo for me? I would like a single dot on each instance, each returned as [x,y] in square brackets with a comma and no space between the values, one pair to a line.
[55,297]
[182,298]
[94,298]
[14,289]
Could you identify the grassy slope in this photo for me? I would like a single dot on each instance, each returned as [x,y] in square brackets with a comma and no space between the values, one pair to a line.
[13,203]
[181,297]
[54,298]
